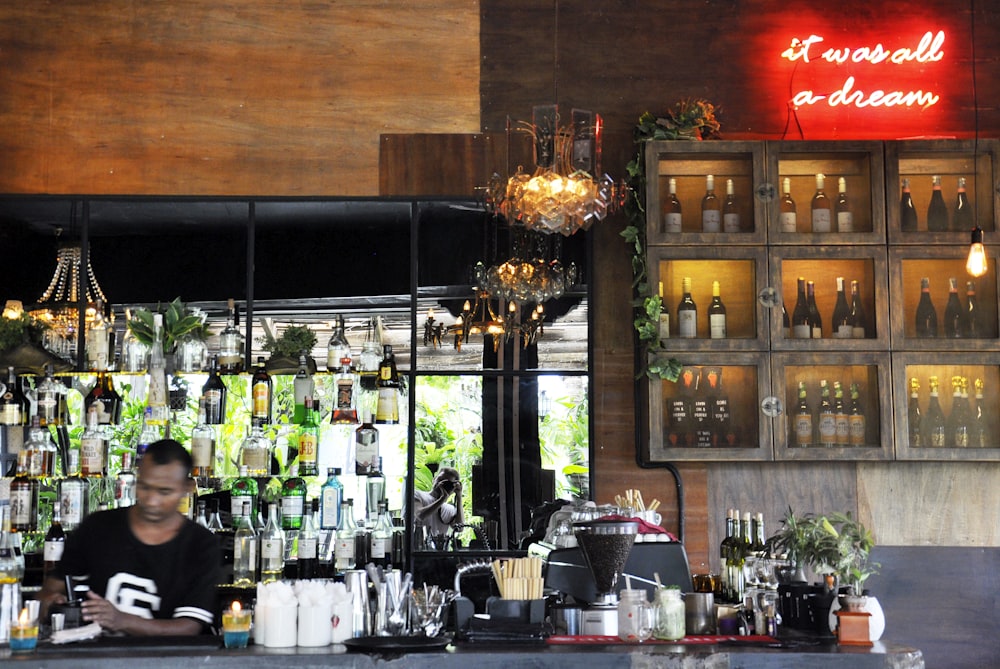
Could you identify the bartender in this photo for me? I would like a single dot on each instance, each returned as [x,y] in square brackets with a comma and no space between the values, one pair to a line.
[150,570]
[433,509]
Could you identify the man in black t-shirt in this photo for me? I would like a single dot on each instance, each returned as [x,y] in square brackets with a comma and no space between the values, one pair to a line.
[150,570]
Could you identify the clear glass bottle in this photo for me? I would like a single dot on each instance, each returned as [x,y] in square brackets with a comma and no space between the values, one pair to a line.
[73,498]
[202,445]
[717,314]
[366,446]
[125,482]
[98,341]
[303,387]
[50,400]
[38,452]
[244,547]
[338,347]
[272,547]
[687,312]
[231,342]
[845,218]
[157,400]
[344,550]
[380,551]
[135,353]
[387,412]
[214,518]
[711,211]
[331,498]
[374,490]
[787,217]
[820,207]
[371,355]
[93,447]
[149,433]
[671,222]
[255,453]
[201,515]
[730,210]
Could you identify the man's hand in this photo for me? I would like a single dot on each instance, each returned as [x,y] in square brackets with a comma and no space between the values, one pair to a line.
[96,609]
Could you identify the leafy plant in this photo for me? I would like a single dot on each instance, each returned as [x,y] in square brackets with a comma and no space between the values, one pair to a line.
[17,331]
[292,341]
[178,321]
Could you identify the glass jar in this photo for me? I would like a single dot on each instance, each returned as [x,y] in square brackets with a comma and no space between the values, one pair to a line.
[635,616]
[669,615]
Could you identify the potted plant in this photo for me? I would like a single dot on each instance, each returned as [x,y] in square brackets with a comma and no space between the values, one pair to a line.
[21,346]
[179,321]
[285,349]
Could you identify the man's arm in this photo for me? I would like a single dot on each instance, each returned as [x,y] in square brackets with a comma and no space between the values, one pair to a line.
[53,592]
[99,610]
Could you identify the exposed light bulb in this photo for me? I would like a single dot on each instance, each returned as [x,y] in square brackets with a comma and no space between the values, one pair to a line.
[976,264]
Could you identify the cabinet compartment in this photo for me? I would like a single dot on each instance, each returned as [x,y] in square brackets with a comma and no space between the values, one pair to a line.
[920,161]
[741,274]
[822,265]
[947,366]
[908,265]
[869,370]
[859,163]
[744,379]
[689,162]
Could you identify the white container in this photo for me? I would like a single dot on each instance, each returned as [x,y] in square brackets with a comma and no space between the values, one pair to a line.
[314,624]
[280,626]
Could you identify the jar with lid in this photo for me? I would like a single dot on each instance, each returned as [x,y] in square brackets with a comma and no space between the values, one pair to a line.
[635,616]
[669,614]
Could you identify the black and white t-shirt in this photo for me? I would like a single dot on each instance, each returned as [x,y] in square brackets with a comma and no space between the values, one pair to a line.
[175,579]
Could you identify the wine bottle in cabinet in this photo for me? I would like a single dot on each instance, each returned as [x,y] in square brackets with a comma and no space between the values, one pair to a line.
[671,221]
[856,418]
[859,321]
[907,212]
[801,325]
[933,429]
[730,210]
[937,210]
[687,312]
[815,320]
[803,418]
[842,326]
[788,218]
[711,212]
[914,417]
[820,207]
[926,315]
[826,422]
[962,218]
[845,218]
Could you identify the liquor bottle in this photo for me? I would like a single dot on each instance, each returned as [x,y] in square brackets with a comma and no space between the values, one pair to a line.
[50,400]
[759,545]
[907,212]
[202,445]
[215,394]
[243,494]
[937,211]
[148,433]
[971,312]
[125,482]
[718,403]
[231,342]
[664,319]
[926,316]
[716,314]
[261,393]
[345,549]
[308,544]
[821,210]
[338,347]
[201,517]
[303,387]
[293,503]
[978,435]
[859,320]
[956,425]
[687,312]
[786,324]
[331,496]
[158,408]
[73,498]
[953,325]
[381,537]
[826,423]
[856,418]
[38,452]
[725,549]
[309,436]
[371,354]
[98,341]
[815,320]
[933,428]
[345,408]
[730,210]
[55,542]
[732,557]
[24,490]
[374,490]
[255,452]
[107,400]
[803,419]
[214,518]
[93,447]
[13,405]
[670,212]
[787,217]
[366,447]
[845,219]
[962,218]
[842,326]
[272,547]
[801,325]
[914,418]
[740,557]
[244,548]
[841,422]
[387,411]
[711,216]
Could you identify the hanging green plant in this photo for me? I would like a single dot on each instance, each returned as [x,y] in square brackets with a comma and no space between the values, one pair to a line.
[687,119]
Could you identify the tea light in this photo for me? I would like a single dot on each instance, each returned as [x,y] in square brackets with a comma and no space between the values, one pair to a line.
[24,633]
[235,626]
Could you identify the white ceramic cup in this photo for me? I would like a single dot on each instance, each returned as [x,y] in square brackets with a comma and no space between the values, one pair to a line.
[281,626]
[651,517]
[314,625]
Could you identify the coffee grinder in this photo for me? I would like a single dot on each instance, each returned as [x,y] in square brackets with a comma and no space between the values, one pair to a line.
[605,545]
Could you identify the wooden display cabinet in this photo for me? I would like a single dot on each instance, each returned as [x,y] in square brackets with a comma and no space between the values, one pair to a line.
[908,265]
[869,370]
[981,412]
[859,163]
[919,161]
[688,162]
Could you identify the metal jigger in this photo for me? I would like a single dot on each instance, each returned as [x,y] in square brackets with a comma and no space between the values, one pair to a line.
[605,545]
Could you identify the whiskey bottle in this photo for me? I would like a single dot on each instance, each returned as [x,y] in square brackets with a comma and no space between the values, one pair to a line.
[937,211]
[801,325]
[803,419]
[914,418]
[842,326]
[202,445]
[841,421]
[787,217]
[215,394]
[845,219]
[826,423]
[387,411]
[962,218]
[859,320]
[309,439]
[856,418]
[821,210]
[670,221]
[93,448]
[933,426]
[231,342]
[687,312]
[716,314]
[730,210]
[815,320]
[711,215]
[261,393]
[953,314]
[926,316]
[337,348]
[907,212]
[98,341]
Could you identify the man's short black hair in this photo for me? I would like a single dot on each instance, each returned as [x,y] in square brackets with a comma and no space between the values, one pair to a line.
[167,451]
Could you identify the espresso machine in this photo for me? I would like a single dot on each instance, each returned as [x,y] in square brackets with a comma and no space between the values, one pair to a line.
[605,545]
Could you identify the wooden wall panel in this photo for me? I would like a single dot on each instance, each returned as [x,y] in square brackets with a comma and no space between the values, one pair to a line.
[248,97]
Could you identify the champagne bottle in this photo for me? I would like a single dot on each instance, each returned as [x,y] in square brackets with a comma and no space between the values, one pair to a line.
[971,312]
[926,316]
[826,422]
[272,547]
[907,212]
[845,219]
[978,435]
[711,216]
[303,386]
[730,210]
[937,211]
[953,326]
[841,421]
[842,325]
[801,325]
[815,320]
[687,312]
[956,429]
[717,314]
[231,342]
[671,222]
[962,218]
[787,217]
[821,210]
[215,394]
[244,547]
[261,393]
[856,418]
[803,419]
[933,426]
[309,438]
[859,320]
[914,418]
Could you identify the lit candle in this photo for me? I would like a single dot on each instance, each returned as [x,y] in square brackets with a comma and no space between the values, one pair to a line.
[23,633]
[236,626]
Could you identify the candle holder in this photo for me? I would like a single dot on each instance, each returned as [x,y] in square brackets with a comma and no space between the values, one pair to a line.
[235,626]
[24,633]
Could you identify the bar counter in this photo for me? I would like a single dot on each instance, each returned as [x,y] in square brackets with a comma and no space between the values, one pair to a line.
[207,652]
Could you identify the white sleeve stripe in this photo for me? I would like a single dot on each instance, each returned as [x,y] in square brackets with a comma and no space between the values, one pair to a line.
[194,612]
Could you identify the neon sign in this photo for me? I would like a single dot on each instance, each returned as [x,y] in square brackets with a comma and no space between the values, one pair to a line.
[929,49]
